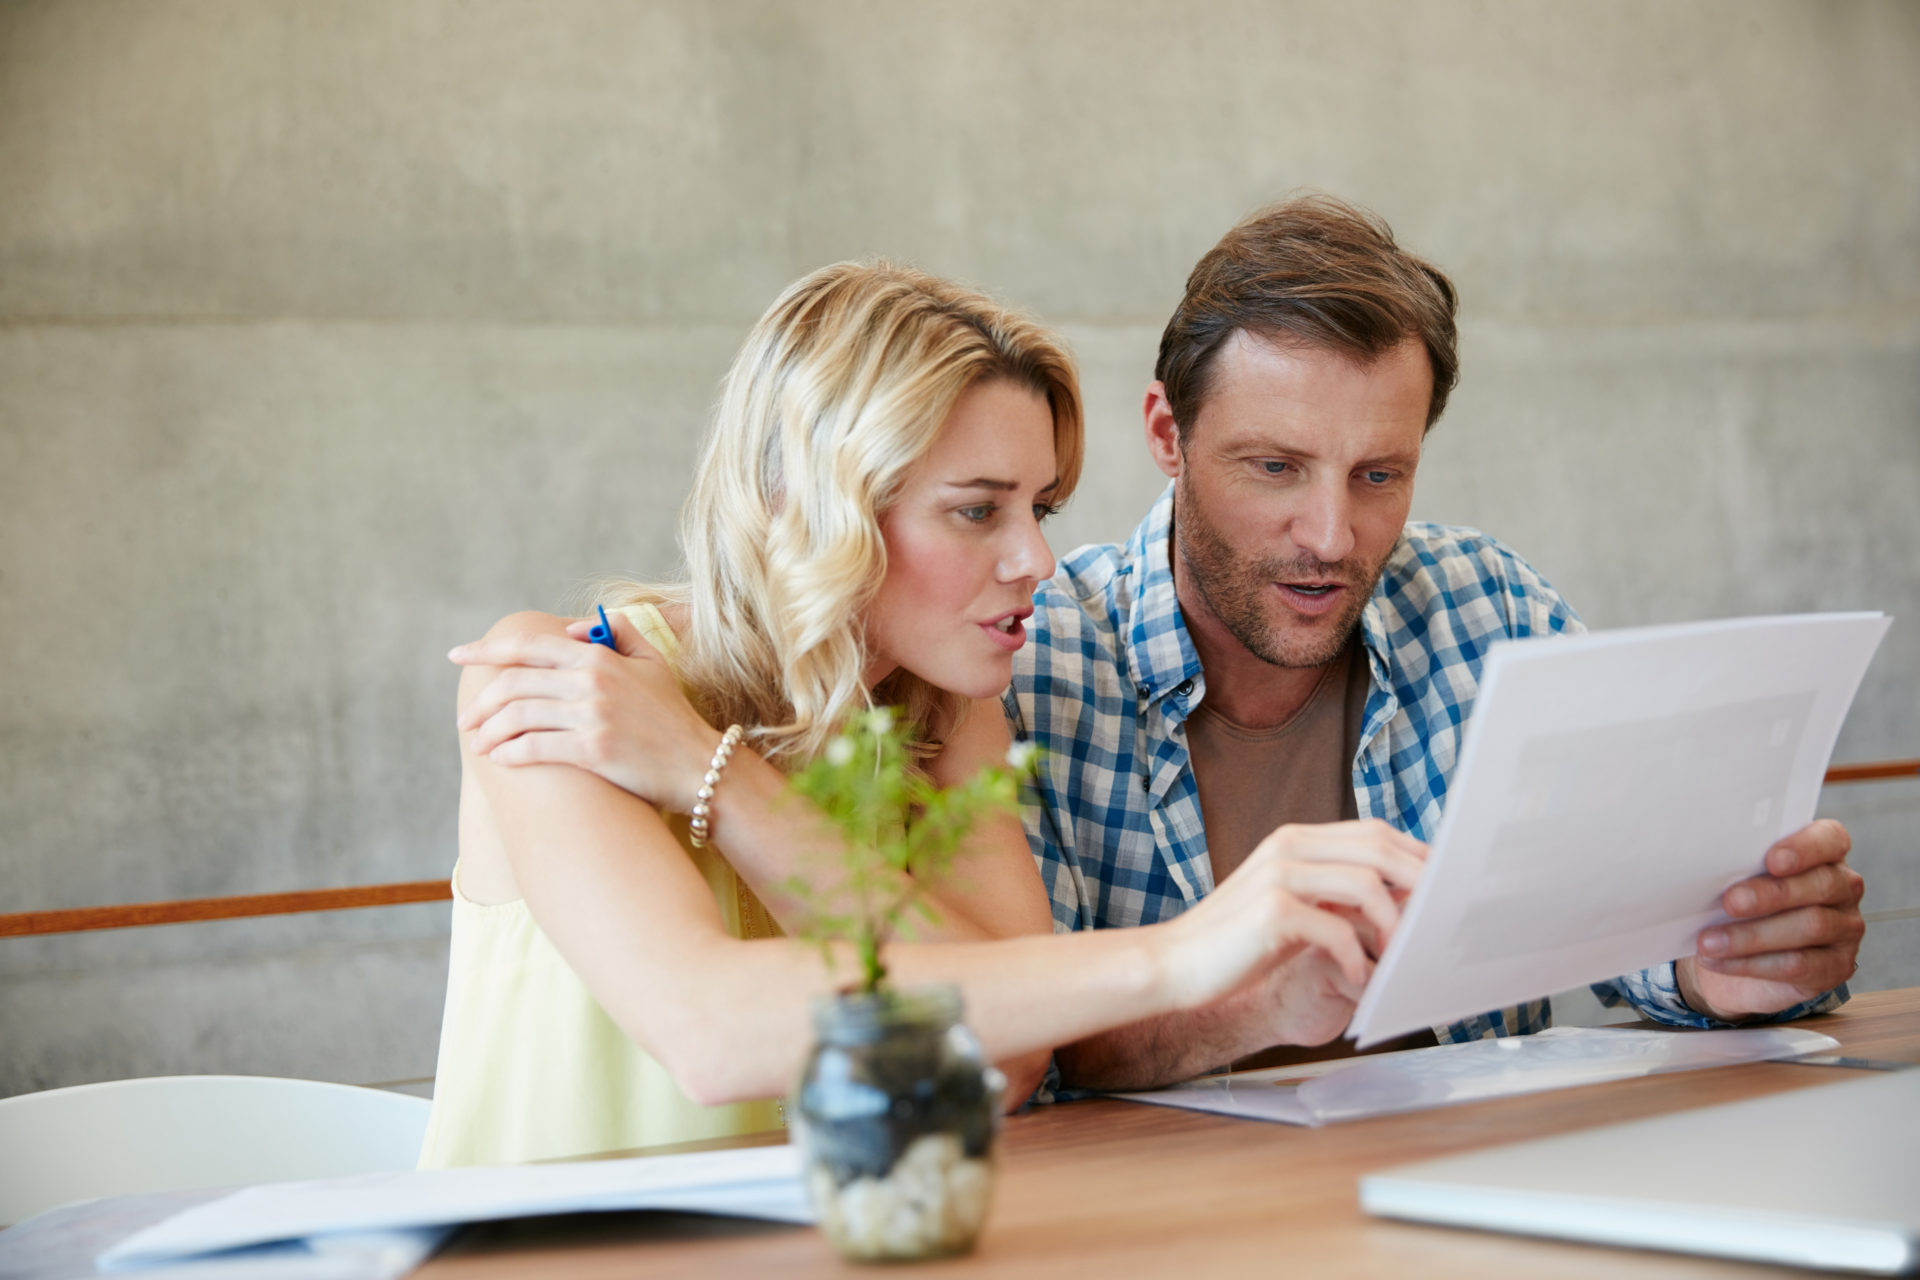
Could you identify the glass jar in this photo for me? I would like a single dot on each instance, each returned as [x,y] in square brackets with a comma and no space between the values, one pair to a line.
[898,1116]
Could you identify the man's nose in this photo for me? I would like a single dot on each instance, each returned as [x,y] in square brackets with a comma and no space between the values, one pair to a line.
[1323,525]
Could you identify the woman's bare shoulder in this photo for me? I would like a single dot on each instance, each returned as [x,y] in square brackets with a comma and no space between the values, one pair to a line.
[528,622]
[515,626]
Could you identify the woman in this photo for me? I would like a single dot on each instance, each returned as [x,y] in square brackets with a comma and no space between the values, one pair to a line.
[864,528]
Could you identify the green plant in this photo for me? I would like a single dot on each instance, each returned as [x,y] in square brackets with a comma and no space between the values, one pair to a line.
[899,833]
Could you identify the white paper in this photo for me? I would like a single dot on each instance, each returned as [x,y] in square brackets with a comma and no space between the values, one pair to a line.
[364,1255]
[1609,788]
[752,1182]
[1318,1093]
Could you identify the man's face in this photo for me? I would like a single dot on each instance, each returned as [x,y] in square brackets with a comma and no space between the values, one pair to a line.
[1291,490]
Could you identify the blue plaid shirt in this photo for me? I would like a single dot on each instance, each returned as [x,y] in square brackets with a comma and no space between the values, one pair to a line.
[1109,676]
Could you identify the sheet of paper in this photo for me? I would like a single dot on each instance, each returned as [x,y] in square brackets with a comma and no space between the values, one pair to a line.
[754,1182]
[1609,788]
[1320,1093]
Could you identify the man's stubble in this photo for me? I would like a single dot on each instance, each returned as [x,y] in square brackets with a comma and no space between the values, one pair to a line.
[1238,590]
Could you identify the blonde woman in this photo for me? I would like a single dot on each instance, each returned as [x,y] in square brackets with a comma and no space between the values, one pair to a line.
[863,529]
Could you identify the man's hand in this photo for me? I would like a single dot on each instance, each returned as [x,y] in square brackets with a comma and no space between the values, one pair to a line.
[1306,1001]
[1795,931]
[1349,879]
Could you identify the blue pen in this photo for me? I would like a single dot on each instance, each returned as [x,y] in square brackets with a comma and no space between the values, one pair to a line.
[602,632]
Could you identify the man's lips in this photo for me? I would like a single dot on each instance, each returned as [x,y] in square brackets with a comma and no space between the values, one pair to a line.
[1309,597]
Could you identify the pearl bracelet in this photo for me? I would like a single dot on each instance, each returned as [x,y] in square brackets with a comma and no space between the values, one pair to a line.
[700,823]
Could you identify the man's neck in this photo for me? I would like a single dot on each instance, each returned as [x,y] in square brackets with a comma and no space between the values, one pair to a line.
[1241,686]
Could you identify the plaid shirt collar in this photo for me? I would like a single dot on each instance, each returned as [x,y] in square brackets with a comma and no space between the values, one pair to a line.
[1160,652]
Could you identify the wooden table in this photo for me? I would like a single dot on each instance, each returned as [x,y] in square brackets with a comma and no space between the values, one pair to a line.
[1109,1188]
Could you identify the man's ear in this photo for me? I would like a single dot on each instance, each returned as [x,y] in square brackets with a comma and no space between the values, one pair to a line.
[1163,433]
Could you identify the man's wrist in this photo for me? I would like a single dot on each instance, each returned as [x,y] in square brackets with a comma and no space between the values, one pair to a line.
[1683,982]
[1686,981]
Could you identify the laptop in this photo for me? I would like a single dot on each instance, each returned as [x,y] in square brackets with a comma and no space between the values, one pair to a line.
[1826,1177]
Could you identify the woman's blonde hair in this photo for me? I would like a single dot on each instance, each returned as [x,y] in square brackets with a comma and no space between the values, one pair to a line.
[841,388]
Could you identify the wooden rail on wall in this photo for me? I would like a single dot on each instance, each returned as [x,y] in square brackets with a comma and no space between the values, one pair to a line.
[1879,771]
[134,914]
[82,919]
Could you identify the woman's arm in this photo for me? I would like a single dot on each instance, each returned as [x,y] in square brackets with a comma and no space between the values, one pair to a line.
[625,719]
[631,709]
[613,890]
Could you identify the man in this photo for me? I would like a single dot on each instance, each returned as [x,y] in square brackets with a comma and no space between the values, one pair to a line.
[1277,655]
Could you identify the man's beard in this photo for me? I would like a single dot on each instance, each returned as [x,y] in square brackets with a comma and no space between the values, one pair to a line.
[1240,592]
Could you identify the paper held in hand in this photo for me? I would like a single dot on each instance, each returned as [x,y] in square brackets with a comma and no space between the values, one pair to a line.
[1609,788]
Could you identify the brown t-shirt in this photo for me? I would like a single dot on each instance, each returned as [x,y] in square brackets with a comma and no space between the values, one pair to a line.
[1253,780]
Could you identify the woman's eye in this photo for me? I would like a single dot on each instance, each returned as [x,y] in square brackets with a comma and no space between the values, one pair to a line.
[1044,511]
[978,514]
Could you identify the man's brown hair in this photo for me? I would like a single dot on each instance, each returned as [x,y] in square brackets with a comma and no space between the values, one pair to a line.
[1314,270]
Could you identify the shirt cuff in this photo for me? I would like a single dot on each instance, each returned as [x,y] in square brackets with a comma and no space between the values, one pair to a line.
[1655,995]
[1517,1020]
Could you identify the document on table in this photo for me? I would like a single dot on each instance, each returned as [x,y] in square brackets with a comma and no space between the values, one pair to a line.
[1317,1093]
[1609,788]
[372,1220]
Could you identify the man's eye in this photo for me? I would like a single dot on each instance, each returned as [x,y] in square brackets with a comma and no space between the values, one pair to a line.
[978,514]
[1379,477]
[1275,467]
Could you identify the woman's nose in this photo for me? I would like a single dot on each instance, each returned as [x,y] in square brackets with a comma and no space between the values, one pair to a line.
[1029,557]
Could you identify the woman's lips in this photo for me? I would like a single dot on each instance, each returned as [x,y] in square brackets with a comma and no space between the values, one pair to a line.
[1311,603]
[1009,638]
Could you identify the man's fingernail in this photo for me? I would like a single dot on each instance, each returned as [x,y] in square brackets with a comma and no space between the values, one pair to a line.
[1740,900]
[1713,942]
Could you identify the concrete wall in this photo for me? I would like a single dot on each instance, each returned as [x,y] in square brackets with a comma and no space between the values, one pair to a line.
[330,332]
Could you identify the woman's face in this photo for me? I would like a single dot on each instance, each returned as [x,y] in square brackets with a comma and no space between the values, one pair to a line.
[964,548]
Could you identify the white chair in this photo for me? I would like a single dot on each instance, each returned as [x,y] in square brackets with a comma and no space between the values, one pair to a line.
[171,1133]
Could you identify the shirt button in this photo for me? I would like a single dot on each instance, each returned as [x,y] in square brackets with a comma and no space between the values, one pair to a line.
[1146,783]
[1184,688]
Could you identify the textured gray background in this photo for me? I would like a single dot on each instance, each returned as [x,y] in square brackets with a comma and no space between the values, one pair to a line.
[329,332]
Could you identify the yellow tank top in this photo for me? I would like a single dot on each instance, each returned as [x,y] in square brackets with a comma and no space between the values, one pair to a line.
[530,1066]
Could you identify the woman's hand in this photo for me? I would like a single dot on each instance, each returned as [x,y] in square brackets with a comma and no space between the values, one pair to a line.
[1327,896]
[567,701]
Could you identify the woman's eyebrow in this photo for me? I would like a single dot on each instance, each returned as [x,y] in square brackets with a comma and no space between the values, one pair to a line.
[998,486]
